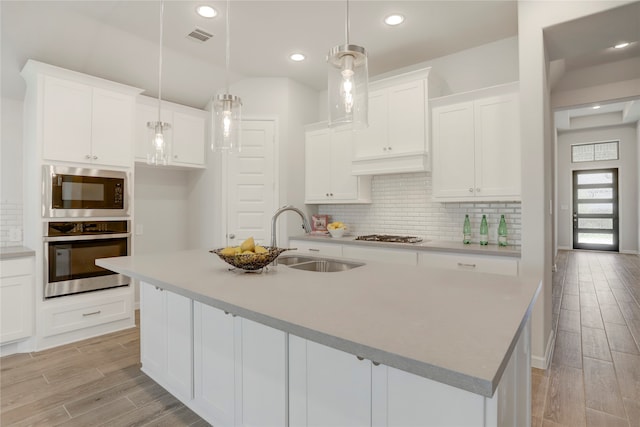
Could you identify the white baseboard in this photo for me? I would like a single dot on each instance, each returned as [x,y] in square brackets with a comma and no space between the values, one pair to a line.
[565,248]
[544,362]
[630,252]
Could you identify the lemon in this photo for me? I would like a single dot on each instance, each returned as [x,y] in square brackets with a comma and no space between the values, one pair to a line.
[228,251]
[248,245]
[260,250]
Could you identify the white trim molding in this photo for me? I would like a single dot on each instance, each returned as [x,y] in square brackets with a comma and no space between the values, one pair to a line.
[544,362]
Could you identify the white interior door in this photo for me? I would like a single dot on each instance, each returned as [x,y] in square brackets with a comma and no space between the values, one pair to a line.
[251,184]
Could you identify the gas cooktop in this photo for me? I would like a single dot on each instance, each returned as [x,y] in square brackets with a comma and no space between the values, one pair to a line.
[389,238]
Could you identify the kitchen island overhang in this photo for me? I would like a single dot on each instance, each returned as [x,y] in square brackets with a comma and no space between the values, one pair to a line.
[453,327]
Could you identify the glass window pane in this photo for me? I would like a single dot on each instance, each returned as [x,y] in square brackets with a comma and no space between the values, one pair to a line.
[595,193]
[596,223]
[595,178]
[595,208]
[606,151]
[582,153]
[596,238]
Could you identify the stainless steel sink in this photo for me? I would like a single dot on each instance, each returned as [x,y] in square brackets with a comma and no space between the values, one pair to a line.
[294,259]
[319,264]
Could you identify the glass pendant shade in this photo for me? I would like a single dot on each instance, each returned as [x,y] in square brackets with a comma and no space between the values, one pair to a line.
[227,110]
[156,153]
[348,86]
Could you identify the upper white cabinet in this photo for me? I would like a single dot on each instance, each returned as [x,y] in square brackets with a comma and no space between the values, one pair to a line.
[185,139]
[79,118]
[397,139]
[328,177]
[476,146]
[85,124]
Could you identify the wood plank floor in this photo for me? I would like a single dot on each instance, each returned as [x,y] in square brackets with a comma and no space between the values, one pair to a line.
[594,378]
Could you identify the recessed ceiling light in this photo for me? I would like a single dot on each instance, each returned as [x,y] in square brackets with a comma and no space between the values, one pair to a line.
[595,107]
[206,11]
[621,45]
[395,19]
[297,57]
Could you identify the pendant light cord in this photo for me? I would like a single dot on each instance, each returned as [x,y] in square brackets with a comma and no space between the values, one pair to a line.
[347,24]
[160,61]
[228,44]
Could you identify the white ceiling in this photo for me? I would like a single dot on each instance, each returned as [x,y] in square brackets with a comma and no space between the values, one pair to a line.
[118,40]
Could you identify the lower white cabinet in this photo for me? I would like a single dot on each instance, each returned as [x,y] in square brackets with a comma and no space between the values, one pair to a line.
[166,339]
[16,299]
[464,262]
[239,370]
[316,248]
[395,256]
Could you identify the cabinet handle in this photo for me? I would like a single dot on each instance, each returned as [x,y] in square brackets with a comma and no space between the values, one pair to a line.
[477,190]
[159,289]
[389,148]
[470,190]
[327,194]
[462,264]
[95,157]
[232,236]
[91,314]
[314,250]
[359,358]
[175,156]
[87,157]
[384,148]
[331,194]
[375,363]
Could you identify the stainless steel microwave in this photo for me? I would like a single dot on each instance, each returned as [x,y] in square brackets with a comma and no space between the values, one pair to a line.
[82,192]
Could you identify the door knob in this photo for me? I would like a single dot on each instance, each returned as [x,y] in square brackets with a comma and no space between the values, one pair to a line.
[232,236]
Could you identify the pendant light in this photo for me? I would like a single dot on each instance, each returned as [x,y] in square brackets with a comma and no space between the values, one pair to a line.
[348,83]
[227,110]
[157,153]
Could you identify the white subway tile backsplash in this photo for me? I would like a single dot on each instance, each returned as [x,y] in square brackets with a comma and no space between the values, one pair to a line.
[402,205]
[10,219]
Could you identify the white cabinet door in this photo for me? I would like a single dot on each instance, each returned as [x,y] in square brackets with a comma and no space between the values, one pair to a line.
[373,139]
[395,256]
[16,299]
[166,332]
[316,248]
[188,142]
[453,151]
[328,387]
[406,122]
[344,186]
[317,164]
[214,364]
[66,116]
[497,146]
[112,128]
[416,401]
[465,262]
[264,377]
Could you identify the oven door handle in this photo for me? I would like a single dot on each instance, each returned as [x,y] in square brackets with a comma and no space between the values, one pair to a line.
[86,237]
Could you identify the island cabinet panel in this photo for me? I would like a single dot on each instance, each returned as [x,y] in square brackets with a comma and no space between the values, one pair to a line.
[315,248]
[239,370]
[166,339]
[327,387]
[465,262]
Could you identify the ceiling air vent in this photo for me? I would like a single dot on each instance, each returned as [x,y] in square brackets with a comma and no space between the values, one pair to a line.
[199,35]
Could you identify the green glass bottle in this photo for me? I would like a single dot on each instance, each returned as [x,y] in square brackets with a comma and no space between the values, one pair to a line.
[484,231]
[502,232]
[466,230]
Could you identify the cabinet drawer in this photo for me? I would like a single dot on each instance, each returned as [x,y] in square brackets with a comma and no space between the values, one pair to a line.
[17,267]
[313,248]
[463,262]
[59,319]
[394,256]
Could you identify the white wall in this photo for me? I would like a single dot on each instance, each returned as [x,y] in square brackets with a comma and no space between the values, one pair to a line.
[537,148]
[11,172]
[161,210]
[627,181]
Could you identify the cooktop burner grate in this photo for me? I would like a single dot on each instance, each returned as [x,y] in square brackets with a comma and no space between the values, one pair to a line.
[389,238]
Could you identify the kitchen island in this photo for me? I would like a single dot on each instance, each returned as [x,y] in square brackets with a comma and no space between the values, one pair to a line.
[379,344]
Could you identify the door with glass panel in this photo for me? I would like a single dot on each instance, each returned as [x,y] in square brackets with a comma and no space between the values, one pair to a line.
[595,209]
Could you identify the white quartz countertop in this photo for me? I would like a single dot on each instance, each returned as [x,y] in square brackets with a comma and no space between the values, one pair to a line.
[11,252]
[458,328]
[425,245]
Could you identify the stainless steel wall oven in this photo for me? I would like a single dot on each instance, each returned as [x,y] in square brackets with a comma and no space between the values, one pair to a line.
[70,251]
